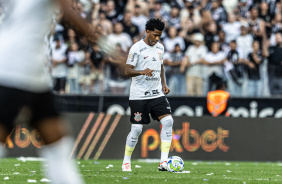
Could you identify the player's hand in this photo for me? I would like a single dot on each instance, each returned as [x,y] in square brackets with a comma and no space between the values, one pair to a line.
[147,72]
[166,89]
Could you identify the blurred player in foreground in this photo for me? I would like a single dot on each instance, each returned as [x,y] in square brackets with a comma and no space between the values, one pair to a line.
[24,80]
[147,91]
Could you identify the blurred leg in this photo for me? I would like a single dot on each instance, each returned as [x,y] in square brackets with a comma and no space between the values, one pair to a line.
[57,148]
[210,85]
[190,86]
[72,85]
[199,86]
[258,90]
[57,145]
[173,85]
[251,88]
[182,84]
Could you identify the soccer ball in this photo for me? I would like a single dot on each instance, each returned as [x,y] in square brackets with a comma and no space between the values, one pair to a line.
[175,164]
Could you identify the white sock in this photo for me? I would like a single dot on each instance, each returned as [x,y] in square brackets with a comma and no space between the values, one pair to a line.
[164,156]
[126,159]
[127,154]
[166,136]
[131,142]
[61,169]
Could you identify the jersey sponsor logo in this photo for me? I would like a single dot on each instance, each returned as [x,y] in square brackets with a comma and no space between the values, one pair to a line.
[137,116]
[141,50]
[147,93]
[153,78]
[146,57]
[155,92]
[159,48]
[154,59]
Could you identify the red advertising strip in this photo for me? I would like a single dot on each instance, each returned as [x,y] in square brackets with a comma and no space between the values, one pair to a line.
[97,137]
[108,136]
[82,132]
[90,135]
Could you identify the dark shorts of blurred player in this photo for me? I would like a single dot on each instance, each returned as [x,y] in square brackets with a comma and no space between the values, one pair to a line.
[41,106]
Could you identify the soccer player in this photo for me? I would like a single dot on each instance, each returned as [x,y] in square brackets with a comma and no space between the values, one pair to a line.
[24,81]
[147,91]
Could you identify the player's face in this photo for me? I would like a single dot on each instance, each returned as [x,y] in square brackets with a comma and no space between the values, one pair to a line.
[255,45]
[154,36]
[278,38]
[233,45]
[254,13]
[215,47]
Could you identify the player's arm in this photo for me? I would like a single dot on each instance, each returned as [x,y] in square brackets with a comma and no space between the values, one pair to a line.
[78,23]
[184,64]
[220,62]
[132,60]
[130,72]
[165,87]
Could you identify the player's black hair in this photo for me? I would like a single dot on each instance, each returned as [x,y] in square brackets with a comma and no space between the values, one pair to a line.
[158,2]
[153,24]
[233,41]
[102,11]
[137,6]
[176,45]
[221,85]
[253,7]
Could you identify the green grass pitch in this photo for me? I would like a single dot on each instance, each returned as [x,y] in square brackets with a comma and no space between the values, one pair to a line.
[109,171]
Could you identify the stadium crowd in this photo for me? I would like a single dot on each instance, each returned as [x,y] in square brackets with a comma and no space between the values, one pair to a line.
[206,41]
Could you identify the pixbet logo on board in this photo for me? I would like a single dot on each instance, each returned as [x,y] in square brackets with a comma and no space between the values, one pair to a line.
[186,138]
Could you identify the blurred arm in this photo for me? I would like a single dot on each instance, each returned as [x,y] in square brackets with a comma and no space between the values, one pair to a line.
[75,20]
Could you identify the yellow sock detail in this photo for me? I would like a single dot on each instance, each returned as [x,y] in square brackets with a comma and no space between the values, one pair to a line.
[128,150]
[165,147]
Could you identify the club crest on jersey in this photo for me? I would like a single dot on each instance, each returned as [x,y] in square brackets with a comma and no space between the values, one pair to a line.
[161,56]
[137,116]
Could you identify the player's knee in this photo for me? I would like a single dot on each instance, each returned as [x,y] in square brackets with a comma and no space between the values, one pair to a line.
[136,129]
[167,122]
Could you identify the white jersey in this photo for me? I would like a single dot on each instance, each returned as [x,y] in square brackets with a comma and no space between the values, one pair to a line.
[143,56]
[23,62]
